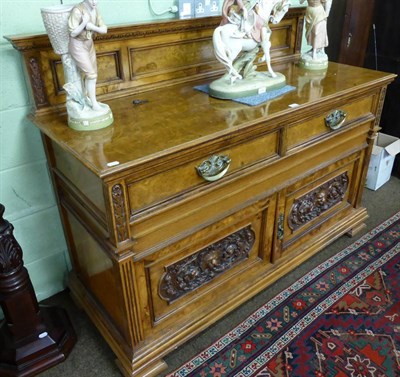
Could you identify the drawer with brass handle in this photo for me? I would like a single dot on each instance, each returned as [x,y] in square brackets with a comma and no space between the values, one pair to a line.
[329,121]
[180,179]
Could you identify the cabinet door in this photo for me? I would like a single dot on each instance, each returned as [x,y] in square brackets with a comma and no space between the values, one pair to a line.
[313,206]
[211,270]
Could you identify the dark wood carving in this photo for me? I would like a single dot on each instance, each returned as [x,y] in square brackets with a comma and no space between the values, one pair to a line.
[119,212]
[10,252]
[198,269]
[311,205]
[32,338]
[37,83]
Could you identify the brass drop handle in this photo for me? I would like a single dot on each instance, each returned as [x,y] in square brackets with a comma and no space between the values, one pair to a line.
[335,119]
[214,168]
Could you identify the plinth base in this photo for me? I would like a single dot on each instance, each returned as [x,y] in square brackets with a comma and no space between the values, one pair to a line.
[92,123]
[260,83]
[37,352]
[318,64]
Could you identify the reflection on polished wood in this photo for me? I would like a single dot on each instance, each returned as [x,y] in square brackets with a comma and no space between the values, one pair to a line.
[137,214]
[152,129]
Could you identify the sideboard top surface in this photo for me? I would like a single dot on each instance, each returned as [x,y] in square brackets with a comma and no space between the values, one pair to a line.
[173,119]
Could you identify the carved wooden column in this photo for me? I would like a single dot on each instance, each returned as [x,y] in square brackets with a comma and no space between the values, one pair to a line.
[32,338]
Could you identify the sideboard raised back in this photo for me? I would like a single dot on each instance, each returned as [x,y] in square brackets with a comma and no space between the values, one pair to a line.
[143,56]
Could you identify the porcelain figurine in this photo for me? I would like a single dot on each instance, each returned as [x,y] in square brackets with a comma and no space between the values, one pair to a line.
[317,14]
[243,30]
[71,30]
[84,22]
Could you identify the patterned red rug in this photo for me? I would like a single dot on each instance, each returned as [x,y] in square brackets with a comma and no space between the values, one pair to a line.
[341,319]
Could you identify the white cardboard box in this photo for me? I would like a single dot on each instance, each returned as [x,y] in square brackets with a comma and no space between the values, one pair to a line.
[382,158]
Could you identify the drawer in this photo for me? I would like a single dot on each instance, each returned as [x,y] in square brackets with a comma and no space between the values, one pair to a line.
[178,180]
[211,266]
[315,128]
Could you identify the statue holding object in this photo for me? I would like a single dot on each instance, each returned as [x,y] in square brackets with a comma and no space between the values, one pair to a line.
[243,30]
[317,14]
[71,30]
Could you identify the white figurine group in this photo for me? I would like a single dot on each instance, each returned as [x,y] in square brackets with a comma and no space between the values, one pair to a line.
[243,28]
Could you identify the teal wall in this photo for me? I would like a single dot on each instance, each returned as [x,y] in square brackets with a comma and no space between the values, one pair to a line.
[25,186]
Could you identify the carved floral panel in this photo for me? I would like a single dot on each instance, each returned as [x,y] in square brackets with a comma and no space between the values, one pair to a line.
[319,200]
[119,212]
[200,268]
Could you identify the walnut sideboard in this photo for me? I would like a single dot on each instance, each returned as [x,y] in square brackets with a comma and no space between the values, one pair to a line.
[160,248]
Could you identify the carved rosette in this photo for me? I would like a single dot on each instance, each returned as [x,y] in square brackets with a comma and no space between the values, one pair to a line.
[119,212]
[311,205]
[200,268]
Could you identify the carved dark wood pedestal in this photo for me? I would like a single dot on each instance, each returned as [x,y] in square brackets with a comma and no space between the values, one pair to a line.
[32,338]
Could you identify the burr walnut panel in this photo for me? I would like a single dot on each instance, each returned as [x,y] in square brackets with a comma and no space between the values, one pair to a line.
[315,127]
[181,179]
[163,58]
[109,70]
[85,182]
[94,267]
[284,37]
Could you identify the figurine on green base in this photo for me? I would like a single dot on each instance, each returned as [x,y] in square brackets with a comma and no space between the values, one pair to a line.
[317,14]
[243,30]
[71,30]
